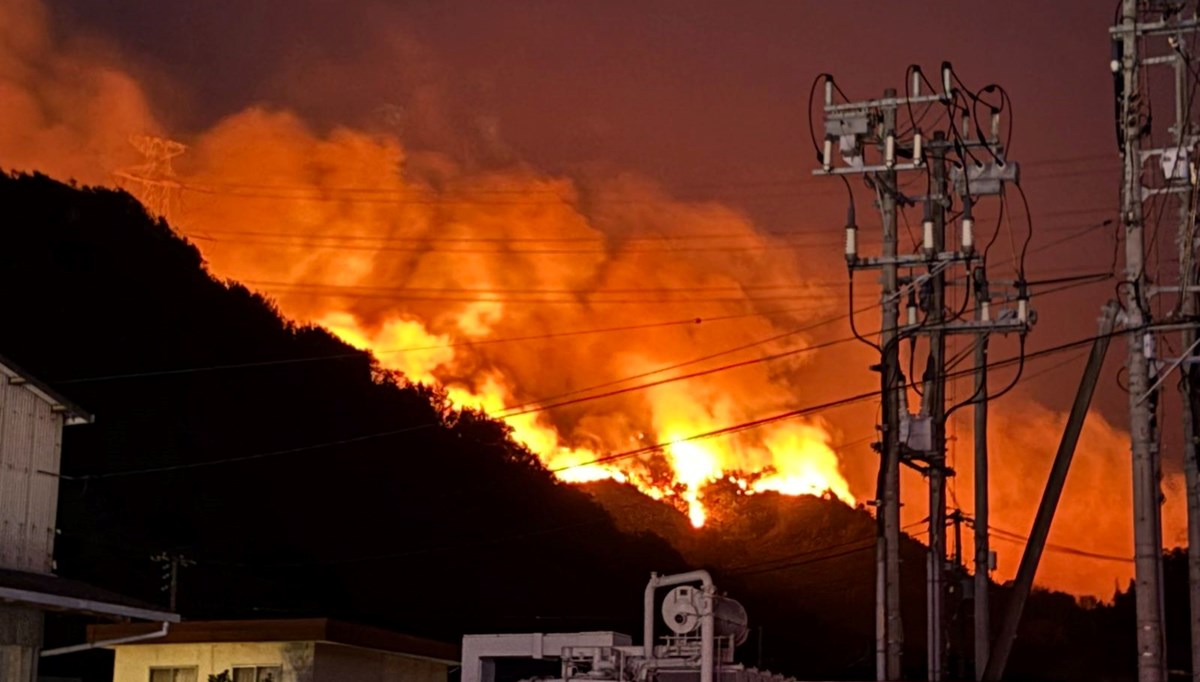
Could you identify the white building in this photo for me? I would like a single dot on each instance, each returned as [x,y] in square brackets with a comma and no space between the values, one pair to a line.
[292,650]
[32,417]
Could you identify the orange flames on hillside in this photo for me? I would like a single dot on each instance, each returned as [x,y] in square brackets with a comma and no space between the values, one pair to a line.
[480,279]
[788,458]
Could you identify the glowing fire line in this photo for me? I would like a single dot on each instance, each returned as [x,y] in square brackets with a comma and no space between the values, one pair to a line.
[793,459]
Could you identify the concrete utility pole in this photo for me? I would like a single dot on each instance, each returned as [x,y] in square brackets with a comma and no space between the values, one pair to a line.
[892,385]
[936,399]
[983,555]
[1147,545]
[864,135]
[1184,139]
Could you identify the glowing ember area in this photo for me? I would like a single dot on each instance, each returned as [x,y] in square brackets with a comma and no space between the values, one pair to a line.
[791,459]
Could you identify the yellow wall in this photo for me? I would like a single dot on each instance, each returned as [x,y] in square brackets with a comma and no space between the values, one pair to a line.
[133,662]
[301,662]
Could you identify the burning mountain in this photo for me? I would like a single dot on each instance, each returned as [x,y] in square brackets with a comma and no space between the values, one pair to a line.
[439,271]
[572,308]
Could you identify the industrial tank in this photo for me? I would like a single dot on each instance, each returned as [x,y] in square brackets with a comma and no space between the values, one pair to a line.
[682,608]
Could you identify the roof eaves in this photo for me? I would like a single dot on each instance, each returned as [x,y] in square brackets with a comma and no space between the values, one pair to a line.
[18,377]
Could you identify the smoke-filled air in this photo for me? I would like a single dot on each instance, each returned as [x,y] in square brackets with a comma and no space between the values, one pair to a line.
[590,314]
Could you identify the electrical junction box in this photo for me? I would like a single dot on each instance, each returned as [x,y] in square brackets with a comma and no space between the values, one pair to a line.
[916,432]
[985,178]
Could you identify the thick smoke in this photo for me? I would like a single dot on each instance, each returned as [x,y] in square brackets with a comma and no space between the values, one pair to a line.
[352,229]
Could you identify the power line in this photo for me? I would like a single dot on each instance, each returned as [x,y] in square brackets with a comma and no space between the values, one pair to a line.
[820,238]
[821,407]
[417,298]
[545,402]
[621,455]
[460,344]
[604,245]
[683,377]
[1064,549]
[210,368]
[471,196]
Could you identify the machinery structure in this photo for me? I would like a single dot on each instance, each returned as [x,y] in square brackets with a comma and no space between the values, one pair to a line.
[697,633]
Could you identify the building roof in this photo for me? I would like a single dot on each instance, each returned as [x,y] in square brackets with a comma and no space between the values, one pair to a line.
[286,630]
[16,375]
[47,592]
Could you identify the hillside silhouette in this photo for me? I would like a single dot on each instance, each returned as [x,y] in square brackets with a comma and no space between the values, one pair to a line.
[304,480]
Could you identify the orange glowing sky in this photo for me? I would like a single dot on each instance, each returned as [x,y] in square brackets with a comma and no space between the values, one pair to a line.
[433,179]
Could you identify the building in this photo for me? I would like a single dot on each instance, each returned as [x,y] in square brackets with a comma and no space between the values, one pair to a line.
[293,650]
[32,418]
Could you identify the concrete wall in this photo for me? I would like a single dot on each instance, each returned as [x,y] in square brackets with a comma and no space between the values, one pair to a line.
[133,662]
[301,662]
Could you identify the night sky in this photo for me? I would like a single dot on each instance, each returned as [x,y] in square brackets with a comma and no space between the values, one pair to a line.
[704,98]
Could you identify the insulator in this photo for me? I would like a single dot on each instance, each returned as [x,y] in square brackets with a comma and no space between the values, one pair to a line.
[916,81]
[827,160]
[947,84]
[828,90]
[1023,310]
[928,228]
[966,127]
[851,243]
[912,314]
[968,235]
[995,126]
[918,155]
[985,311]
[889,150]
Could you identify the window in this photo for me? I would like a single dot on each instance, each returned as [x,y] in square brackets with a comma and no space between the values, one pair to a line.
[257,673]
[181,674]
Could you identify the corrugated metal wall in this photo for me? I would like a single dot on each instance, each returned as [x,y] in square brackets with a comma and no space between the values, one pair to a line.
[30,442]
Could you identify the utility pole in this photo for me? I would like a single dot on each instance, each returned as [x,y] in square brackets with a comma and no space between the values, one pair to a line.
[936,400]
[865,136]
[1146,492]
[983,555]
[892,386]
[172,562]
[1184,138]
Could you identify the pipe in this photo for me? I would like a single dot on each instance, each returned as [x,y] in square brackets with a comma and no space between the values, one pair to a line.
[161,632]
[707,622]
[1002,647]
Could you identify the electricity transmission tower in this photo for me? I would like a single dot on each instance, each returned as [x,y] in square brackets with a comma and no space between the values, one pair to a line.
[1155,33]
[158,186]
[963,164]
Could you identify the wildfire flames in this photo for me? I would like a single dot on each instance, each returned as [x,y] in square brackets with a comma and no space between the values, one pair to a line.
[431,278]
[427,262]
[516,290]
